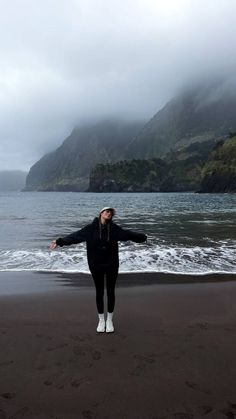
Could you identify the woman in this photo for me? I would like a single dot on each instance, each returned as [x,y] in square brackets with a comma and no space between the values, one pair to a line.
[101,237]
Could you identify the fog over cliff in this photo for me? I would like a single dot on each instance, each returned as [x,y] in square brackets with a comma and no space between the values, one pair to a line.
[65,63]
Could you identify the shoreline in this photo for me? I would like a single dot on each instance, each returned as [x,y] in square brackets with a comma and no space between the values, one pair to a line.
[31,282]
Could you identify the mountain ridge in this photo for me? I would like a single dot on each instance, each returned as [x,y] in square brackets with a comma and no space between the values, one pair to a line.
[68,167]
[199,115]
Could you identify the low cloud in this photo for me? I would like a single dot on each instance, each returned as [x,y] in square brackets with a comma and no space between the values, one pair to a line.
[67,62]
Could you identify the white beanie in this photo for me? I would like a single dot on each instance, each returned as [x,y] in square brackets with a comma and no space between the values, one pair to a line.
[108,208]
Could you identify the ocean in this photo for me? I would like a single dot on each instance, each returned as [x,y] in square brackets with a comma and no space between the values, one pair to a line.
[187,232]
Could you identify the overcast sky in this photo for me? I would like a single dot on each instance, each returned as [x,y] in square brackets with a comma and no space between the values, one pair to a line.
[64,62]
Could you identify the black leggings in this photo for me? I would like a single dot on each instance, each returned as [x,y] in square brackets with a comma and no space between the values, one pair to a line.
[111,277]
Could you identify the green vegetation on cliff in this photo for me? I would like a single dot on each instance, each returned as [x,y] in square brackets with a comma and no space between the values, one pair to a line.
[129,176]
[219,173]
[206,168]
[179,171]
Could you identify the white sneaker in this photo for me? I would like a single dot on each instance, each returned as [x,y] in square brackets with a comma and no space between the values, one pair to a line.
[109,323]
[101,325]
[109,326]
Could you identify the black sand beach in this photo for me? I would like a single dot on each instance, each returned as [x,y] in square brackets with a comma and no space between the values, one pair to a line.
[172,354]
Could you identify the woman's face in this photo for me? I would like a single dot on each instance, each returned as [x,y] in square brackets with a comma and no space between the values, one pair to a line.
[106,215]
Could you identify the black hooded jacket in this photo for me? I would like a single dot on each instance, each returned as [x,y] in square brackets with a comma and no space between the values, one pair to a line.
[102,243]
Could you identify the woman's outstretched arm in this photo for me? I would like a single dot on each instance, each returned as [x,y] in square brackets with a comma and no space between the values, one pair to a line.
[73,238]
[125,235]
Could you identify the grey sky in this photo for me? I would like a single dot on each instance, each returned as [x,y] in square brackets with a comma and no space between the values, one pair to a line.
[66,61]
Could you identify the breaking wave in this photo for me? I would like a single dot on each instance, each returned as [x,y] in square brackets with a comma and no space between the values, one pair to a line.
[219,257]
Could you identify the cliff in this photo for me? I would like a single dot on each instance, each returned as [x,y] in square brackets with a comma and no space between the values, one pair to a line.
[179,171]
[219,172]
[196,118]
[201,113]
[68,167]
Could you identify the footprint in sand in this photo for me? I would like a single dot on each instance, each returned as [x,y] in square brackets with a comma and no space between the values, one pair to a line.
[196,387]
[78,383]
[47,383]
[145,358]
[137,371]
[96,355]
[54,348]
[228,413]
[204,410]
[199,325]
[75,383]
[203,325]
[78,350]
[77,338]
[60,386]
[88,414]
[112,350]
[6,363]
[8,395]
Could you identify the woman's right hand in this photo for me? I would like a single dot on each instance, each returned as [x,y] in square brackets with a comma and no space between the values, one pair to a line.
[53,245]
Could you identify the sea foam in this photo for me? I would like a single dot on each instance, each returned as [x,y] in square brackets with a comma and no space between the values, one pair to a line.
[217,258]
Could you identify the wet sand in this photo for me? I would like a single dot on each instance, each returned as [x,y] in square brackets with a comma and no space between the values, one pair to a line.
[172,354]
